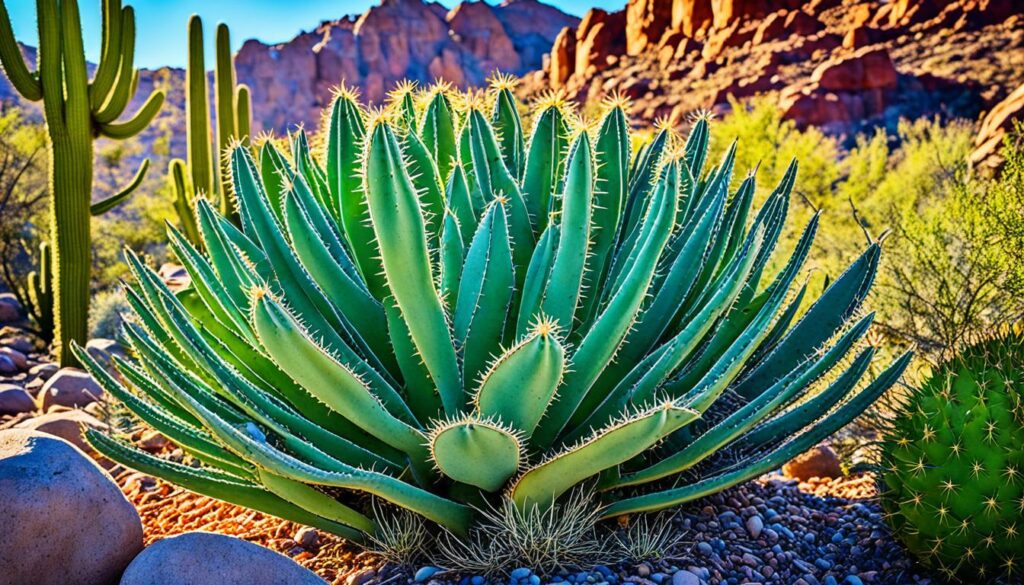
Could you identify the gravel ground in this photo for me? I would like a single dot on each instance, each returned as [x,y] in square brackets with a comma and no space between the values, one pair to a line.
[774,530]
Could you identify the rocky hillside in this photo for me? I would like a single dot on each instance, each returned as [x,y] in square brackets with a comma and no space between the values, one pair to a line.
[398,39]
[838,64]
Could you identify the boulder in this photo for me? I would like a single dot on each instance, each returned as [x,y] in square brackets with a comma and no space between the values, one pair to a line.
[7,365]
[43,371]
[17,342]
[484,36]
[994,126]
[19,359]
[202,558]
[69,387]
[10,309]
[821,461]
[15,400]
[64,521]
[869,68]
[66,424]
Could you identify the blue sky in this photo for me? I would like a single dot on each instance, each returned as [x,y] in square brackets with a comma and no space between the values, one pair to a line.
[161,24]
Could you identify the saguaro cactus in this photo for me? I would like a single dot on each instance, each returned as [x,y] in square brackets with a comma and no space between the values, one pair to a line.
[202,175]
[77,111]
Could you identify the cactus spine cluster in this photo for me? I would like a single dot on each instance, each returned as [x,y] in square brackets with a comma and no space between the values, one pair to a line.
[953,459]
[434,312]
[77,110]
[202,175]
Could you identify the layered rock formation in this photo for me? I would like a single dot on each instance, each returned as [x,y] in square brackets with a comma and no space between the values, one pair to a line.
[396,40]
[838,64]
[399,39]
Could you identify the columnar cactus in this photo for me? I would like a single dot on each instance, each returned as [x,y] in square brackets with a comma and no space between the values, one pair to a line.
[202,175]
[77,110]
[954,464]
[414,318]
[40,292]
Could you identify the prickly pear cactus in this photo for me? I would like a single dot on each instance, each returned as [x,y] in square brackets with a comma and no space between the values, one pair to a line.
[955,464]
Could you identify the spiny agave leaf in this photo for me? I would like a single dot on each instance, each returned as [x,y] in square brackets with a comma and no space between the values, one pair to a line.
[544,163]
[600,343]
[509,129]
[460,448]
[426,179]
[345,181]
[494,181]
[459,202]
[520,384]
[398,224]
[488,279]
[759,464]
[818,324]
[538,273]
[437,130]
[611,161]
[563,291]
[205,482]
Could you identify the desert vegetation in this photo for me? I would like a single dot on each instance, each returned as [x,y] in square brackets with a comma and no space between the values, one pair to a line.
[489,338]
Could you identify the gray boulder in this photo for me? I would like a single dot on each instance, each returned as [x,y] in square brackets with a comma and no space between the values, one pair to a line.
[66,424]
[64,521]
[204,558]
[69,387]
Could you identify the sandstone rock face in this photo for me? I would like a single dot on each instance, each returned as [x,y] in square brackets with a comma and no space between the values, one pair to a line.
[865,69]
[692,17]
[646,21]
[994,127]
[206,558]
[64,521]
[398,39]
[563,58]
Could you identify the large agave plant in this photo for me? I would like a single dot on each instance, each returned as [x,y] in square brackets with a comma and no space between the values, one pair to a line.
[433,312]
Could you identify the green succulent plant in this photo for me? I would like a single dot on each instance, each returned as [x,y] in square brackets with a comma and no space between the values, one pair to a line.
[953,456]
[411,319]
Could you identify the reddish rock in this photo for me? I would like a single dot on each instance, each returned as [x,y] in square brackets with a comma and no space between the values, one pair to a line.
[483,35]
[599,35]
[771,28]
[821,462]
[398,39]
[865,69]
[800,23]
[903,12]
[994,127]
[860,37]
[729,11]
[692,17]
[646,22]
[563,60]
